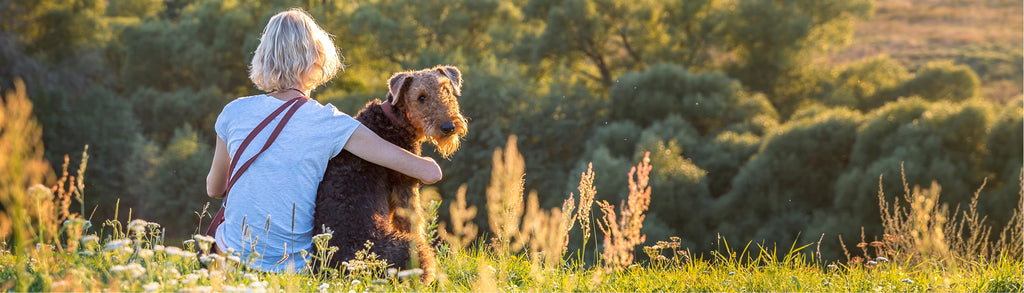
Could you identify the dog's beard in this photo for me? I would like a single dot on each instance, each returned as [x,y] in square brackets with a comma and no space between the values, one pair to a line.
[446,145]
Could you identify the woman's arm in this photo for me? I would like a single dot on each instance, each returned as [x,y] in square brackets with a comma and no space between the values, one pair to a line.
[368,146]
[217,181]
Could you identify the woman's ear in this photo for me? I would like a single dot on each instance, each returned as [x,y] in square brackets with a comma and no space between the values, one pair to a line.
[454,75]
[398,84]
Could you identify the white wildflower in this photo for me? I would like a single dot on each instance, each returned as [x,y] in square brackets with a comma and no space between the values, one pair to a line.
[234,259]
[174,251]
[145,254]
[158,248]
[117,244]
[871,263]
[91,238]
[907,280]
[356,282]
[138,226]
[135,270]
[882,259]
[251,277]
[151,286]
[323,287]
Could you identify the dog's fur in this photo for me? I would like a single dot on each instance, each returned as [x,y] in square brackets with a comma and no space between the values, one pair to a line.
[360,201]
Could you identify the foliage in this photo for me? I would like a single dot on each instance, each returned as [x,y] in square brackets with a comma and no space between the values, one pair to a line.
[735,100]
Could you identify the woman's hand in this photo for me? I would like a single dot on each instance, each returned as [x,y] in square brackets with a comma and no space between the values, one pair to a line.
[368,146]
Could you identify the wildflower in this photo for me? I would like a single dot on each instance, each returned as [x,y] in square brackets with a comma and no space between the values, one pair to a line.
[862,245]
[135,270]
[138,226]
[153,225]
[871,263]
[145,254]
[732,273]
[90,240]
[251,277]
[826,284]
[907,280]
[205,259]
[322,237]
[204,242]
[151,286]
[832,266]
[158,248]
[117,244]
[234,259]
[407,273]
[881,259]
[190,279]
[661,258]
[175,251]
[172,273]
[324,286]
[392,271]
[877,244]
[117,268]
[356,282]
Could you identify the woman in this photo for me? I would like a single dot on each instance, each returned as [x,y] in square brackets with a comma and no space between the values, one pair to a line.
[270,209]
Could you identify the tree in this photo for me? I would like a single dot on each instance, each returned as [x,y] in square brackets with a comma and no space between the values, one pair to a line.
[774,42]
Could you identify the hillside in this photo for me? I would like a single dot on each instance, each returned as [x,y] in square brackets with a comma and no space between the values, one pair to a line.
[986,35]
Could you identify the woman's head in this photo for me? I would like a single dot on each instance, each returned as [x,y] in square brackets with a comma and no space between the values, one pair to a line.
[294,52]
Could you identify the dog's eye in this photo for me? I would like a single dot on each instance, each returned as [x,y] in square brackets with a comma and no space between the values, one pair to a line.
[422,99]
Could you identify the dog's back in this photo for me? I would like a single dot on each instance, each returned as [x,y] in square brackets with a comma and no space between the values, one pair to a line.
[352,199]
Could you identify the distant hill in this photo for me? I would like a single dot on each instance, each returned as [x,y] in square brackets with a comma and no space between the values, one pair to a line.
[986,35]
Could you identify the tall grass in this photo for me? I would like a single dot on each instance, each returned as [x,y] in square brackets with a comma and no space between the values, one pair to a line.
[50,248]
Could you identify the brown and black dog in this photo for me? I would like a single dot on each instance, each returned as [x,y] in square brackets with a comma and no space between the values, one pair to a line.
[361,201]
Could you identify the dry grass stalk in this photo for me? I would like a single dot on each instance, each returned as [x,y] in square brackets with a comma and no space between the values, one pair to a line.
[1011,239]
[505,197]
[924,230]
[587,194]
[21,163]
[622,234]
[463,230]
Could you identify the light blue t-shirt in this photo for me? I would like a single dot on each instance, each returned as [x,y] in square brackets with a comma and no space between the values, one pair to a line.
[279,189]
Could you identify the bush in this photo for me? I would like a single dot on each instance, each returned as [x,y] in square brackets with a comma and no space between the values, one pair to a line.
[866,84]
[710,101]
[788,181]
[940,141]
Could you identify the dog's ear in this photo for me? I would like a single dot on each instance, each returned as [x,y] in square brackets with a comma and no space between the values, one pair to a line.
[454,75]
[398,84]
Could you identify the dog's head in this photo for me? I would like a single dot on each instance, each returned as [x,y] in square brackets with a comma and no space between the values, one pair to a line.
[430,100]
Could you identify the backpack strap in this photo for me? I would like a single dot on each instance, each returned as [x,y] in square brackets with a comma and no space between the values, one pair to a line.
[294,104]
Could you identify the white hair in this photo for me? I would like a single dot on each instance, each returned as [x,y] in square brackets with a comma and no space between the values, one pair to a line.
[294,52]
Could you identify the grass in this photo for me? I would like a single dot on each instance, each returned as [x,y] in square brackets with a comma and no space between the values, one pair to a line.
[46,247]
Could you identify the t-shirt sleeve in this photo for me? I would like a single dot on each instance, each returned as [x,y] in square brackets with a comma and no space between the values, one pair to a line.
[341,126]
[222,124]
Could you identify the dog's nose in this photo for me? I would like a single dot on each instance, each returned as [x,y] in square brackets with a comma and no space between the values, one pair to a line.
[448,127]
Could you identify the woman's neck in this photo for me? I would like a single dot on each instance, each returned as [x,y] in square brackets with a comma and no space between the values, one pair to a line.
[288,94]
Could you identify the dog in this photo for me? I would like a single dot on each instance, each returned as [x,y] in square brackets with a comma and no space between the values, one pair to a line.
[361,201]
